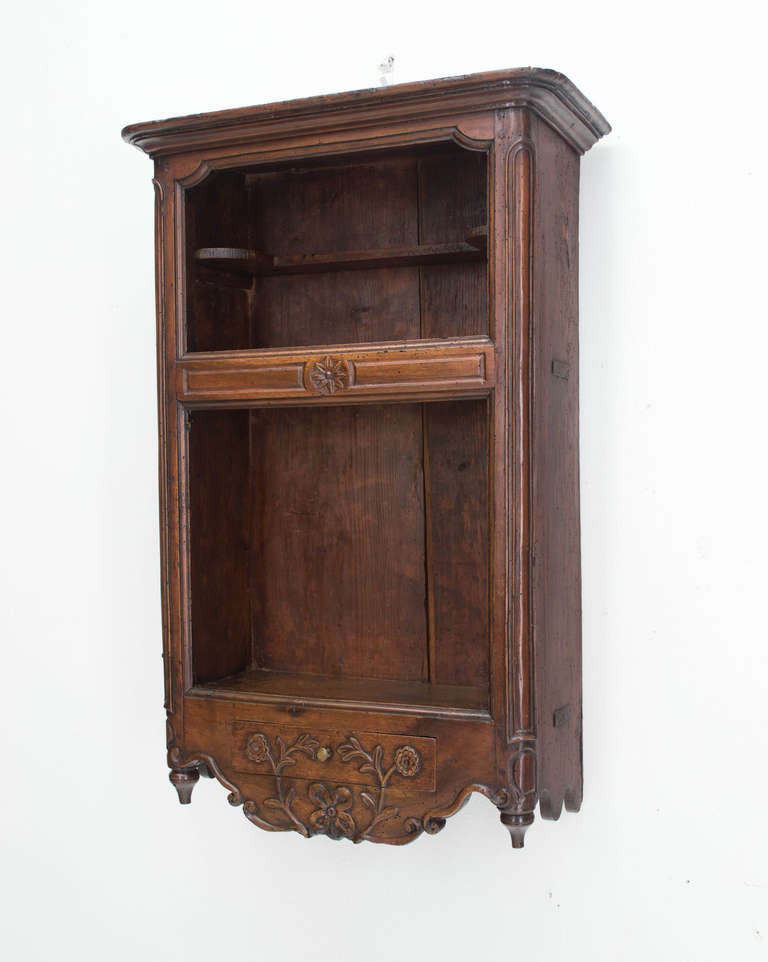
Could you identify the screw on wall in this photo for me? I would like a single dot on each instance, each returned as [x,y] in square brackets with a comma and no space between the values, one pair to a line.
[386,71]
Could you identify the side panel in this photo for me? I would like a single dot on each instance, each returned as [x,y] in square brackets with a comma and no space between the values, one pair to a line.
[556,583]
[171,428]
[512,646]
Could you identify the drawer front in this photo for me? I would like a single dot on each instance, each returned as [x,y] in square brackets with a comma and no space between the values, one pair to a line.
[363,758]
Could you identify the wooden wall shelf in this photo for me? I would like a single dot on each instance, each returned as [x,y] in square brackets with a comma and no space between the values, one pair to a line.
[367,364]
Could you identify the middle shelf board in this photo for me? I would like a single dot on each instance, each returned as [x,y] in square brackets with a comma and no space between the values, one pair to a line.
[243,261]
[437,368]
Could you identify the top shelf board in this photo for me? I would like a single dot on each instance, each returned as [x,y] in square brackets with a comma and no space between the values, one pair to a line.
[241,261]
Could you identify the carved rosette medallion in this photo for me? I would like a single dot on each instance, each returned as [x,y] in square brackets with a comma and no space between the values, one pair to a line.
[327,375]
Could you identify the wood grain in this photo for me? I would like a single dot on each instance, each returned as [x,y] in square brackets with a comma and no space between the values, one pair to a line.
[219,523]
[348,207]
[358,609]
[213,216]
[457,440]
[454,298]
[557,573]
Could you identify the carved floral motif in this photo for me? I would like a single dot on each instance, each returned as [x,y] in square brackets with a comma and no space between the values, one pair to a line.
[279,761]
[257,748]
[332,816]
[328,375]
[331,813]
[407,761]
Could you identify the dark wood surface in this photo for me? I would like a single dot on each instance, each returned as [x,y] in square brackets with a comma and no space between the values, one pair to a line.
[217,221]
[219,521]
[556,582]
[396,575]
[368,371]
[303,688]
[456,489]
[258,263]
[356,251]
[338,556]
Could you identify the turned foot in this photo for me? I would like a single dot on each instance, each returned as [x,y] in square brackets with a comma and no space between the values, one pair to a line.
[517,823]
[184,782]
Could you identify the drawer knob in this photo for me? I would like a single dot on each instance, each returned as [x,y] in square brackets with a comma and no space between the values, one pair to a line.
[323,754]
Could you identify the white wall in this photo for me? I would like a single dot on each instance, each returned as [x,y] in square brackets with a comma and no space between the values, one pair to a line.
[668,859]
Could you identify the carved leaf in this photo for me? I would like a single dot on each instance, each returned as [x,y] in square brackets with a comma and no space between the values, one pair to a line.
[272,803]
[352,749]
[387,813]
[285,763]
[305,743]
[367,799]
[319,794]
[384,816]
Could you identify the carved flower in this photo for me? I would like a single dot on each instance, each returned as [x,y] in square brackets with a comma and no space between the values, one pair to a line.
[329,375]
[332,815]
[257,748]
[407,761]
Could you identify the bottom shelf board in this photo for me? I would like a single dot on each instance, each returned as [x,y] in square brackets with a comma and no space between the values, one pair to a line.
[274,686]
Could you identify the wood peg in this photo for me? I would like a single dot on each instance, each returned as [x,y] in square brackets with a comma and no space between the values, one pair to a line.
[184,782]
[517,823]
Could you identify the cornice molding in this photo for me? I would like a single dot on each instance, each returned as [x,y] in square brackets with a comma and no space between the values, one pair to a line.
[547,93]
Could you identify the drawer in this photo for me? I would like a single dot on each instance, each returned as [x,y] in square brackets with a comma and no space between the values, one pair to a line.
[362,758]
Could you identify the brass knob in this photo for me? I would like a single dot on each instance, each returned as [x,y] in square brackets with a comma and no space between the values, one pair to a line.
[323,754]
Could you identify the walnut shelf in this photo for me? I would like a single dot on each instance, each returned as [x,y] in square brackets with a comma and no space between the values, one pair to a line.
[244,261]
[386,695]
[368,349]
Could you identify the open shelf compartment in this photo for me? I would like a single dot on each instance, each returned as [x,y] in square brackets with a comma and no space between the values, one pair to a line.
[384,246]
[341,552]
